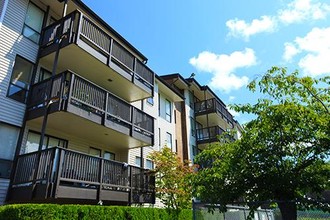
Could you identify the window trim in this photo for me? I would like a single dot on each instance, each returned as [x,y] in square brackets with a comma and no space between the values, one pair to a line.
[29,83]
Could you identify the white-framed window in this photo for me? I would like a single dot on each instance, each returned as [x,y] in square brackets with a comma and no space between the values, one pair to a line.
[20,79]
[169,140]
[33,22]
[168,110]
[149,164]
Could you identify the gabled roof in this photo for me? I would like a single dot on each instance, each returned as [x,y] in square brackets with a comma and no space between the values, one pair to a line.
[171,91]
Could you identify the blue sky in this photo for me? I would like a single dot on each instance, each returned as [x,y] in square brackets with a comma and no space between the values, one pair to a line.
[225,43]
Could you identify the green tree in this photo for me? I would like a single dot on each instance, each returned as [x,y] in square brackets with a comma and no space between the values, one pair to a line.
[283,154]
[173,184]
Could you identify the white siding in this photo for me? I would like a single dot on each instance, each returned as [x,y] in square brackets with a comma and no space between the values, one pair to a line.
[160,122]
[12,43]
[4,183]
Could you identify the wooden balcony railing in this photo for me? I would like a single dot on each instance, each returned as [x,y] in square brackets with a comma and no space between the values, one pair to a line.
[213,106]
[209,134]
[76,27]
[70,92]
[58,173]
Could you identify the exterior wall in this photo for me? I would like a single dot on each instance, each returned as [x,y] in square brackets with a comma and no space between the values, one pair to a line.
[160,124]
[178,128]
[12,43]
[78,144]
[4,183]
[189,113]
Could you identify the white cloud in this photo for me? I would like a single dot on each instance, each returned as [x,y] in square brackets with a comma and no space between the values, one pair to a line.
[222,66]
[300,10]
[294,12]
[315,47]
[240,28]
[290,51]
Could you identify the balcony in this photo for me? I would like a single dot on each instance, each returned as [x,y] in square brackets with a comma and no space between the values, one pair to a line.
[69,100]
[212,113]
[87,49]
[63,176]
[208,135]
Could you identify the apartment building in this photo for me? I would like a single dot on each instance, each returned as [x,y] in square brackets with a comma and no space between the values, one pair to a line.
[80,111]
[203,115]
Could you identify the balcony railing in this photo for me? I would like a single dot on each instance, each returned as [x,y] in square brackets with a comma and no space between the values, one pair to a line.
[213,106]
[76,27]
[209,134]
[70,92]
[58,173]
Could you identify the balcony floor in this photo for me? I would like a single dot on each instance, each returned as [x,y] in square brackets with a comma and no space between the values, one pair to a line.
[78,60]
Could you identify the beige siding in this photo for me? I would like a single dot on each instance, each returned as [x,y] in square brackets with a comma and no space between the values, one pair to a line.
[12,43]
[78,144]
[4,183]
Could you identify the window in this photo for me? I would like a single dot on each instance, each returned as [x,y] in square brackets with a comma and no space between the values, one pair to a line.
[149,164]
[109,155]
[169,140]
[168,110]
[191,100]
[94,152]
[33,141]
[150,100]
[44,74]
[20,79]
[8,136]
[33,23]
[138,161]
[192,126]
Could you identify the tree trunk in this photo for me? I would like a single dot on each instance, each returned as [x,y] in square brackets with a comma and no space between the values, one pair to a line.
[288,210]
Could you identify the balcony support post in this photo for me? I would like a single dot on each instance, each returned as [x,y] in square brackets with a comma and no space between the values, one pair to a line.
[99,190]
[65,6]
[130,186]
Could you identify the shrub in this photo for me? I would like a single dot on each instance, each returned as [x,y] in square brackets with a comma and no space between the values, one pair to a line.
[84,212]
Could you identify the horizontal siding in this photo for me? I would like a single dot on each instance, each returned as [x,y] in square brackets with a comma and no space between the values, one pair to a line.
[77,143]
[12,43]
[4,183]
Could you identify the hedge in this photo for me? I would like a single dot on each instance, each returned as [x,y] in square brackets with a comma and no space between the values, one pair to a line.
[84,212]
